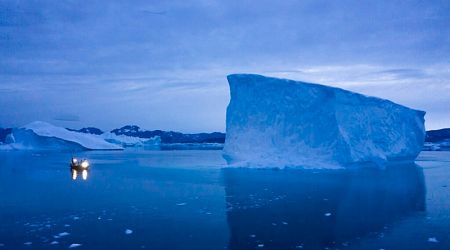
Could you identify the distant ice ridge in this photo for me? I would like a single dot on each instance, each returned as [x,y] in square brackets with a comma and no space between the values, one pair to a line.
[437,146]
[275,122]
[129,141]
[44,136]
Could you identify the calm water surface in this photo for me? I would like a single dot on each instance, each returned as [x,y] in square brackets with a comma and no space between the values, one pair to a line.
[188,200]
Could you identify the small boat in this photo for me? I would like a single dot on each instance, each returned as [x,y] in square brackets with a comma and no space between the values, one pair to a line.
[79,164]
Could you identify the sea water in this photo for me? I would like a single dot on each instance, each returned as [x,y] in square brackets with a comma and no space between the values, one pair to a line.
[138,199]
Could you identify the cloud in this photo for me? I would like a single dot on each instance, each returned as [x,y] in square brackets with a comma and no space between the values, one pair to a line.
[67,118]
[138,61]
[401,74]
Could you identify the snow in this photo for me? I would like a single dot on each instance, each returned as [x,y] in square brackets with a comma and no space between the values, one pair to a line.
[281,123]
[44,136]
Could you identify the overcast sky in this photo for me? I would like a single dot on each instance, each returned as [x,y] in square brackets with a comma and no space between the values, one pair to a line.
[163,64]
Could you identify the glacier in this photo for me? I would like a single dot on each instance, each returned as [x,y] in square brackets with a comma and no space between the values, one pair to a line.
[45,136]
[272,122]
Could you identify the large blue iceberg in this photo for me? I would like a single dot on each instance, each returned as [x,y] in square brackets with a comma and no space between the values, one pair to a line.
[275,122]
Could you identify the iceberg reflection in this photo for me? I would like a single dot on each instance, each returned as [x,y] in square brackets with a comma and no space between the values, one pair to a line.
[317,209]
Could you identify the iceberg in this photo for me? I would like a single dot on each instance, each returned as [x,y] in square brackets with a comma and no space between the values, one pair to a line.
[44,136]
[273,122]
[130,141]
[192,146]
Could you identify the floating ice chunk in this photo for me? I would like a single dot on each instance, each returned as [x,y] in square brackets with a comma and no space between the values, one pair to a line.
[433,239]
[28,243]
[128,231]
[63,234]
[54,242]
[327,214]
[181,204]
[76,218]
[75,245]
[277,123]
[260,245]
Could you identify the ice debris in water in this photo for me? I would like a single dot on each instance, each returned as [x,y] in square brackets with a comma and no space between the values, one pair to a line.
[28,243]
[327,214]
[433,239]
[63,234]
[75,245]
[128,231]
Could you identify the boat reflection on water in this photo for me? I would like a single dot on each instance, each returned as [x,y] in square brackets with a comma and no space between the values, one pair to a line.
[317,209]
[76,172]
[79,166]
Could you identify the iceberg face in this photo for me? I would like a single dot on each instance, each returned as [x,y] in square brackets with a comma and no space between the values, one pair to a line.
[44,136]
[276,123]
